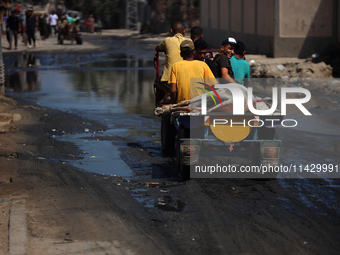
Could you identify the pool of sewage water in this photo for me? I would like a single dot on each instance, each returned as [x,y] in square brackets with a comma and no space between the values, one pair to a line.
[116,89]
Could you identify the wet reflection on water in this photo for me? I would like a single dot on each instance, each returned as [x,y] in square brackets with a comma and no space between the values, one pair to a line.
[24,77]
[116,90]
[123,83]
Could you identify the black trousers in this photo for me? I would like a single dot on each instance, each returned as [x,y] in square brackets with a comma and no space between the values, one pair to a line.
[31,36]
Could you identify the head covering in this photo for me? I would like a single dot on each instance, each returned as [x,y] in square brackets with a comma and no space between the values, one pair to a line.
[187,45]
[229,40]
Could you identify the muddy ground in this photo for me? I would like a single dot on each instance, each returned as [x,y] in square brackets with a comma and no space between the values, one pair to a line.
[69,211]
[72,212]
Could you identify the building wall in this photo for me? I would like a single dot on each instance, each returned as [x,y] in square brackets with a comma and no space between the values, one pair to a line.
[251,21]
[305,27]
[280,28]
[313,21]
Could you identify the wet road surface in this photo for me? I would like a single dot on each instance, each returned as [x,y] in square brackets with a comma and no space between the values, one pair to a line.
[201,216]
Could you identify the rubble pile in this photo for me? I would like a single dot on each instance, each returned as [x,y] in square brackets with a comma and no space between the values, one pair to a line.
[291,69]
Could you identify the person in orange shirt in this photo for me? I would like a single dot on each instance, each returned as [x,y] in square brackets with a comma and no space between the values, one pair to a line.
[186,76]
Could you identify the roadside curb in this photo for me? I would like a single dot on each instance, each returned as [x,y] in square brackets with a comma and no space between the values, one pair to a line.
[17,228]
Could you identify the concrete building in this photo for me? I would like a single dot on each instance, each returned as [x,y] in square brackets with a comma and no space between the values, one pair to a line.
[276,28]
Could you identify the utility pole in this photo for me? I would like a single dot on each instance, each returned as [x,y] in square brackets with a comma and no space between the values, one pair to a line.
[132,14]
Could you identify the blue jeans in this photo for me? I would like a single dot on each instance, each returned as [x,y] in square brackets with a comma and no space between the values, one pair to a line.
[12,33]
[53,30]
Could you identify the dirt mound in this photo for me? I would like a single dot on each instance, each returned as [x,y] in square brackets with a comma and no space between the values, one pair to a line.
[290,69]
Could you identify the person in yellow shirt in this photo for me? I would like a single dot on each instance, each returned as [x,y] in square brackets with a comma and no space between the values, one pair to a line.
[171,47]
[188,70]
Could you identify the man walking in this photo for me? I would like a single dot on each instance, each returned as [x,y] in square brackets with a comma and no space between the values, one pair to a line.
[31,27]
[13,27]
[53,21]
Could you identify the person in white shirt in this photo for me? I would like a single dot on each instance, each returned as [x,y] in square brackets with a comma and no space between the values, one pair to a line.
[53,21]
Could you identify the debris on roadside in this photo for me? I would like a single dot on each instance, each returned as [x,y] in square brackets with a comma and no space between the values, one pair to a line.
[234,190]
[296,68]
[163,200]
[34,107]
[152,184]
[167,203]
[165,190]
[5,120]
[148,194]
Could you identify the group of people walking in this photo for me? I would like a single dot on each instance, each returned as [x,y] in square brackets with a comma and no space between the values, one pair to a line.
[187,59]
[28,25]
[48,25]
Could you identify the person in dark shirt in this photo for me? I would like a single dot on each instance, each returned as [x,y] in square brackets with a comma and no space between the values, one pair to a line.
[31,27]
[201,47]
[223,66]
[13,28]
[196,33]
